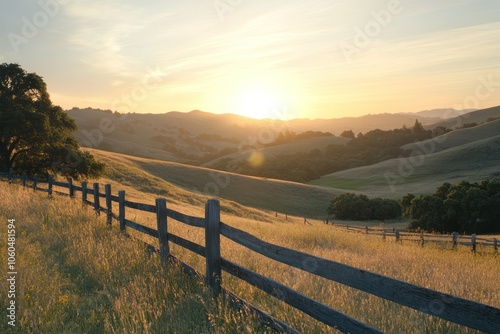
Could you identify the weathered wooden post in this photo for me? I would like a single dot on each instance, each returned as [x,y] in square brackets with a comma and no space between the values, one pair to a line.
[109,206]
[366,230]
[84,192]
[34,182]
[97,205]
[455,240]
[473,242]
[495,245]
[383,235]
[25,177]
[397,235]
[71,188]
[161,222]
[121,209]
[10,175]
[50,185]
[212,245]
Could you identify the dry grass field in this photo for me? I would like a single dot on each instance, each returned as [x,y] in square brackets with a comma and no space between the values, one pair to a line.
[79,276]
[74,275]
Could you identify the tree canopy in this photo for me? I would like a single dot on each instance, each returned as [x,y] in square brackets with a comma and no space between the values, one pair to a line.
[36,136]
[462,207]
[360,207]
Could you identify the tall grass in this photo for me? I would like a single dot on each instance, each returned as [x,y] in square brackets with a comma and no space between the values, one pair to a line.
[103,281]
[75,275]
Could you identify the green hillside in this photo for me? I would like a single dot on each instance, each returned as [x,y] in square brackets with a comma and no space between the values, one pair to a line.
[394,178]
[478,116]
[302,146]
[192,184]
[457,138]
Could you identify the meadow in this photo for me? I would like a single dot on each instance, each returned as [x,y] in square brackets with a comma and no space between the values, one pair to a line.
[77,275]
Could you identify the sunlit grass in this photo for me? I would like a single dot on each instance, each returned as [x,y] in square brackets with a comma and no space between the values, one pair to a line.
[95,279]
[75,275]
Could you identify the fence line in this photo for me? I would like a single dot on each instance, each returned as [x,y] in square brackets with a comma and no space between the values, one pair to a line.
[455,309]
[455,239]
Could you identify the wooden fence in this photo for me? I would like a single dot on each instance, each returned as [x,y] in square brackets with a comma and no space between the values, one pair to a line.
[422,238]
[455,309]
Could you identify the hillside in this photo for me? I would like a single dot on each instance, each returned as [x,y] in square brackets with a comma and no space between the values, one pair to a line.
[195,136]
[184,183]
[458,137]
[302,146]
[478,116]
[473,161]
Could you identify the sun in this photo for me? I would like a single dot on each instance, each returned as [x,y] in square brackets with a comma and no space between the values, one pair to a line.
[258,103]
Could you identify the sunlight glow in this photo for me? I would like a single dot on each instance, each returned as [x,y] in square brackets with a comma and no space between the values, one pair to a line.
[258,103]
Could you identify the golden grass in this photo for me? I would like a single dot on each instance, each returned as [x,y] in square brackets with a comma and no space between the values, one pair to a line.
[77,276]
[460,272]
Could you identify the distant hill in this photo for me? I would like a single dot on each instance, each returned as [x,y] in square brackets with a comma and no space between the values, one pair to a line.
[301,146]
[466,154]
[189,137]
[440,113]
[360,124]
[478,116]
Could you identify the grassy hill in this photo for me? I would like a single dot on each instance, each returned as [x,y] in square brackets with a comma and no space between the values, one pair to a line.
[478,116]
[302,146]
[189,137]
[193,184]
[467,154]
[458,137]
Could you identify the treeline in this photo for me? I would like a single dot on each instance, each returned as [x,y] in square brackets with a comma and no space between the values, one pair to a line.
[365,149]
[462,207]
[360,207]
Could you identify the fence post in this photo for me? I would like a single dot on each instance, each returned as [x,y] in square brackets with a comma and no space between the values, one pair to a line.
[84,192]
[212,245]
[25,177]
[109,205]
[97,206]
[495,245]
[473,242]
[383,235]
[161,222]
[34,182]
[455,240]
[10,175]
[121,209]
[71,188]
[397,235]
[422,239]
[51,183]
[366,230]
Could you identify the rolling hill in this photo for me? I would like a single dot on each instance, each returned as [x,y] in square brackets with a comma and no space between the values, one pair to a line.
[467,154]
[184,183]
[198,136]
[302,146]
[478,116]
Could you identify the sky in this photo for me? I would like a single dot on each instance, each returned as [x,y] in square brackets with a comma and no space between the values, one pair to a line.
[274,58]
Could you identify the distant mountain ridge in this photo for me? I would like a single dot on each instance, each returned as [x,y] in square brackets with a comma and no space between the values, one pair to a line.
[440,113]
[196,137]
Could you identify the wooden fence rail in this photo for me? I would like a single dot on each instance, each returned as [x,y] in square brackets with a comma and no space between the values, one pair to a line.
[458,310]
[422,238]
